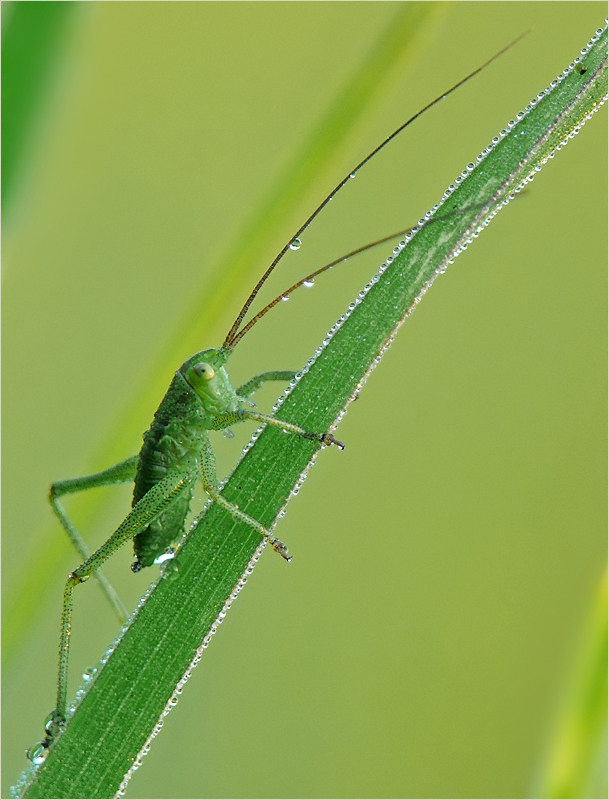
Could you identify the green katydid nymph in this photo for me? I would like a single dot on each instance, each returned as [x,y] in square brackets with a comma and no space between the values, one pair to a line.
[177,452]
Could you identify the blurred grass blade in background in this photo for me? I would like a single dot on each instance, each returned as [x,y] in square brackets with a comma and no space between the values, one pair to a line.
[33,37]
[577,761]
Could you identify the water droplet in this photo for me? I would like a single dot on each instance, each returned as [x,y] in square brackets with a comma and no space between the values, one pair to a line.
[308,284]
[285,298]
[37,753]
[296,244]
[51,726]
[164,557]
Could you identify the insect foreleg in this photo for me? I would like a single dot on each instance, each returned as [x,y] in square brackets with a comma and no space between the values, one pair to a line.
[256,382]
[119,473]
[324,438]
[145,511]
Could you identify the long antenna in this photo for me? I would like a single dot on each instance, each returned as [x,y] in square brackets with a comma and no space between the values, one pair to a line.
[232,337]
[308,279]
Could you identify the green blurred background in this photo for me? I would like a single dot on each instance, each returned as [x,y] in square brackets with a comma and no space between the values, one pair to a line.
[428,636]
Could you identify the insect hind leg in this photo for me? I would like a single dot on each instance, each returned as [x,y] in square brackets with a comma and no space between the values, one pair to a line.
[124,472]
[158,498]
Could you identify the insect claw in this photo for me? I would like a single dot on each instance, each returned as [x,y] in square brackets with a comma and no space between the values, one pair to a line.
[279,547]
[328,440]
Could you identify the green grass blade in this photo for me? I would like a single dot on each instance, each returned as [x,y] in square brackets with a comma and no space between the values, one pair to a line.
[122,708]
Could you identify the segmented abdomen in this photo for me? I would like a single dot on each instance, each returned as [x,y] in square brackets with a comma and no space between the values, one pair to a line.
[169,440]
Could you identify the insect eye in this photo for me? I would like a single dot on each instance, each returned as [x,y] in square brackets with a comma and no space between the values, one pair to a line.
[203,370]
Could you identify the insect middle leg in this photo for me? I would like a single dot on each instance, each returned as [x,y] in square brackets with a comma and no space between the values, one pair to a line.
[124,472]
[210,484]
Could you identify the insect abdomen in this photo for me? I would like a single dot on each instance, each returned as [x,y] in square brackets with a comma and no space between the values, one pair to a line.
[169,440]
